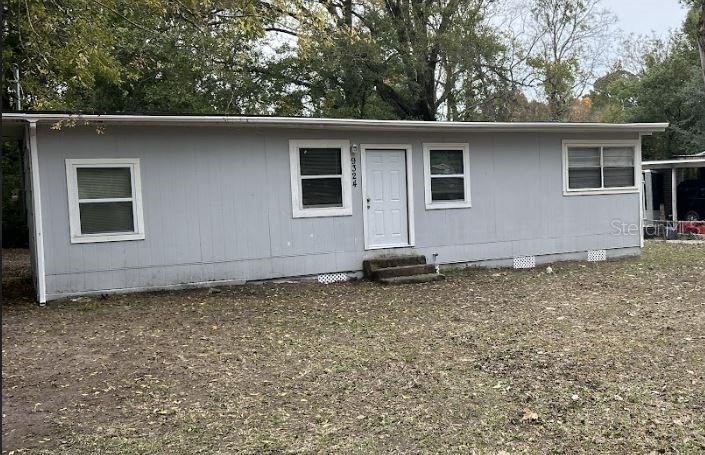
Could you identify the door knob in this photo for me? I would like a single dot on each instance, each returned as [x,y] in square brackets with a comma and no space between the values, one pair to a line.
[368,202]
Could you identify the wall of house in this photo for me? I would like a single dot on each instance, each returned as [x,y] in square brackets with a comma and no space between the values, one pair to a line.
[217,206]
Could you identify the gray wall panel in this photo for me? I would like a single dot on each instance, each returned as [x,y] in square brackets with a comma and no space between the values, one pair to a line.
[217,206]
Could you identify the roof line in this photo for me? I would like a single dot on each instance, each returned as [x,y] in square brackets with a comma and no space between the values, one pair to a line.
[309,122]
[683,163]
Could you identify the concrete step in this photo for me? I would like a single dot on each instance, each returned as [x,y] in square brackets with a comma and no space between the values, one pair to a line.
[425,278]
[369,266]
[404,270]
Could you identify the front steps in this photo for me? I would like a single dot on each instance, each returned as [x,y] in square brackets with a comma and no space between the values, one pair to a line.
[400,270]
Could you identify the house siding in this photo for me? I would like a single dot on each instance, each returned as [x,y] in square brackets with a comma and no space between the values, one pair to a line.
[217,207]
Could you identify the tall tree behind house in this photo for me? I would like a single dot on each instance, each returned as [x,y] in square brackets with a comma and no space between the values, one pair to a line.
[398,58]
[571,37]
[668,86]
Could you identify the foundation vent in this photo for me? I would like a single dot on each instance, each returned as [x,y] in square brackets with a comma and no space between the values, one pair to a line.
[596,255]
[525,262]
[328,278]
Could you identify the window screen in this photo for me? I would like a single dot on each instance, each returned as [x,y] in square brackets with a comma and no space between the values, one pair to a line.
[321,174]
[447,175]
[584,169]
[618,166]
[105,199]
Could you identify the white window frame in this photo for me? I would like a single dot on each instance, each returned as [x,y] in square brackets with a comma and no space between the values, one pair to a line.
[430,203]
[74,212]
[295,171]
[567,191]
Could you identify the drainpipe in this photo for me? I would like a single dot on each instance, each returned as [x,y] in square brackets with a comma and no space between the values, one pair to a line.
[36,212]
[674,195]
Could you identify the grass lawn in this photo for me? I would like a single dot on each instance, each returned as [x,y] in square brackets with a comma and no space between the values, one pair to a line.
[605,357]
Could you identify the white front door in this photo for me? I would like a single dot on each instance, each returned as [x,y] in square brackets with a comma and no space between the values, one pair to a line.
[386,198]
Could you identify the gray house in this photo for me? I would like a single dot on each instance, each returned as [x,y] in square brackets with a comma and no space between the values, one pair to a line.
[128,202]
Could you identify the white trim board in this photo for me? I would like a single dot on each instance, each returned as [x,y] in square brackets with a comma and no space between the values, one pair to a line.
[298,211]
[430,204]
[409,192]
[74,213]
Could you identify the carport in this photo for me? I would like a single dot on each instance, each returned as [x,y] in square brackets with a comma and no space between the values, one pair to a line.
[661,180]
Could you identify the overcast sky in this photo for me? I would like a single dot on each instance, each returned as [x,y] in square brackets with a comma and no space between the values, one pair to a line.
[647,16]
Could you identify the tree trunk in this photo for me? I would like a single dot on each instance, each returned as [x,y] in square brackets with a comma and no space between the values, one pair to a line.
[701,39]
[347,13]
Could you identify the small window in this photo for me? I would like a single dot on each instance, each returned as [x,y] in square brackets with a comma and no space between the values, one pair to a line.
[320,178]
[104,200]
[447,173]
[600,168]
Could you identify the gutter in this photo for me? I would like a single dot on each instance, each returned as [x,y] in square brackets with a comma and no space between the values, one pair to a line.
[351,124]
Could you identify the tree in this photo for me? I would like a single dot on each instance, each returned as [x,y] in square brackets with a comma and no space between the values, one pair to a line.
[399,58]
[570,35]
[701,38]
[668,89]
[139,55]
[606,96]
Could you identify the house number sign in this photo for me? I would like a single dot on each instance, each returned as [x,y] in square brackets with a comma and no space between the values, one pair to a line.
[353,166]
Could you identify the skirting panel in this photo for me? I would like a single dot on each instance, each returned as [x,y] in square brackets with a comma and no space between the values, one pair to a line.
[237,272]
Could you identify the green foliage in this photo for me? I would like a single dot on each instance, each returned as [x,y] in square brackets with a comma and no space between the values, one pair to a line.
[407,59]
[133,55]
[567,46]
[608,96]
[668,88]
[339,73]
[557,82]
[399,59]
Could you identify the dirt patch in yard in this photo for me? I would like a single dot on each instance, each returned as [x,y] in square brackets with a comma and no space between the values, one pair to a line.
[17,283]
[606,357]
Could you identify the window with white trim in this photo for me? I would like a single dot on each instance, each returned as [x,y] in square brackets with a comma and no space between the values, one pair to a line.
[592,167]
[105,203]
[320,178]
[447,175]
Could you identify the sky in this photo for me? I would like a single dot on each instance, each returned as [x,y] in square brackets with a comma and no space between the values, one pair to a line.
[647,16]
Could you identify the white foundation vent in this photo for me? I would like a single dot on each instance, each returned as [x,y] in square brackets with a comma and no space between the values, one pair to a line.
[596,255]
[525,262]
[329,278]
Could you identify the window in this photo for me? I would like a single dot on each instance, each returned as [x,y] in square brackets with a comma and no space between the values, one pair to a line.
[599,168]
[447,175]
[320,178]
[105,203]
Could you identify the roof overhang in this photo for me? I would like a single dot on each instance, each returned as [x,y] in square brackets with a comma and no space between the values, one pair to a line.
[684,163]
[334,123]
